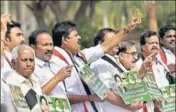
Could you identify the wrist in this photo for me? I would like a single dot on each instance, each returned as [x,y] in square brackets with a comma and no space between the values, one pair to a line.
[126,30]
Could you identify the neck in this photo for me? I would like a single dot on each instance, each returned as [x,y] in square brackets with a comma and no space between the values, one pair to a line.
[7,49]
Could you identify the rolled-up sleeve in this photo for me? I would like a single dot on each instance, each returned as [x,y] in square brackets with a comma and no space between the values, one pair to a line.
[93,53]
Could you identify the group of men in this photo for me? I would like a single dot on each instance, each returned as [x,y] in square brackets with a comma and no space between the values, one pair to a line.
[50,65]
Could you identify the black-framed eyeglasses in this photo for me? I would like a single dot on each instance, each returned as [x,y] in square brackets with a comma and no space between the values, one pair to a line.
[134,54]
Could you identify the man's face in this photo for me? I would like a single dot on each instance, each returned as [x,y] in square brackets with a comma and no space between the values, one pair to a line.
[24,63]
[44,46]
[152,45]
[16,38]
[128,58]
[72,42]
[168,40]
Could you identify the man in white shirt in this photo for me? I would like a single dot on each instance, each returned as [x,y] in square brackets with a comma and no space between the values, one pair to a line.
[150,44]
[167,36]
[66,36]
[13,37]
[23,62]
[7,104]
[50,70]
[107,68]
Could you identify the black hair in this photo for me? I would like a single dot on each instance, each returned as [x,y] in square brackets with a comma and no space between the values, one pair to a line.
[164,29]
[145,35]
[123,46]
[62,29]
[99,36]
[10,26]
[34,34]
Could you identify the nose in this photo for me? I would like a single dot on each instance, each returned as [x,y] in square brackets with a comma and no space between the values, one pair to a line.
[28,63]
[79,37]
[22,39]
[49,47]
[173,38]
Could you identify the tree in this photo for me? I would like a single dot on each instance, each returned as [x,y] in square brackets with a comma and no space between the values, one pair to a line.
[38,8]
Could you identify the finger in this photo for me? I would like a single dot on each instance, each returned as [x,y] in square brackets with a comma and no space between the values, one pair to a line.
[69,66]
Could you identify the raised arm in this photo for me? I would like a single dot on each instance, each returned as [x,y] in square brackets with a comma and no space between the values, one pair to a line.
[5,18]
[112,42]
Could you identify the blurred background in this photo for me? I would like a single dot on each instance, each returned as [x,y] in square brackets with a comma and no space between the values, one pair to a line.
[90,15]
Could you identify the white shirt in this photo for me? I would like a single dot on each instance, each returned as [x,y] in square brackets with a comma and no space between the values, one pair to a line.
[160,77]
[7,104]
[160,70]
[25,85]
[6,66]
[106,72]
[46,73]
[169,55]
[73,83]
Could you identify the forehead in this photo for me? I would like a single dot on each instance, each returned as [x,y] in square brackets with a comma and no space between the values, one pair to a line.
[25,53]
[152,39]
[44,37]
[131,49]
[15,30]
[73,32]
[109,34]
[170,32]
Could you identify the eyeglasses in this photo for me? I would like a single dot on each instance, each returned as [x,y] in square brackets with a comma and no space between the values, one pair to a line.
[169,36]
[134,54]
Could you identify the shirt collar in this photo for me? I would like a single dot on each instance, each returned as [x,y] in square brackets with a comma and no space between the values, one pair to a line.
[22,79]
[8,54]
[167,50]
[111,57]
[41,63]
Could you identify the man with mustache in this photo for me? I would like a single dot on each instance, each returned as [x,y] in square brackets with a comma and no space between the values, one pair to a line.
[150,44]
[167,41]
[49,69]
[7,104]
[107,68]
[66,37]
[13,37]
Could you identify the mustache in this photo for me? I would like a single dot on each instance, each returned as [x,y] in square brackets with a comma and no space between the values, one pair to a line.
[154,48]
[49,52]
[172,42]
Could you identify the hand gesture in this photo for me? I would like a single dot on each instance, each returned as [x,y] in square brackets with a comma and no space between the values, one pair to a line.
[5,18]
[65,72]
[134,21]
[147,64]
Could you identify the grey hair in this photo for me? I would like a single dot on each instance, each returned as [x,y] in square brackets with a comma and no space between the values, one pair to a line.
[16,49]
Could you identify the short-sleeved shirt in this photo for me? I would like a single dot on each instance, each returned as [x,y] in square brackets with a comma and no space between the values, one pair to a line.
[26,85]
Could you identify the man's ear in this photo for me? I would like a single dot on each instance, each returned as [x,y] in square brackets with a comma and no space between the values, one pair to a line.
[64,40]
[161,41]
[33,46]
[142,48]
[13,63]
[7,40]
